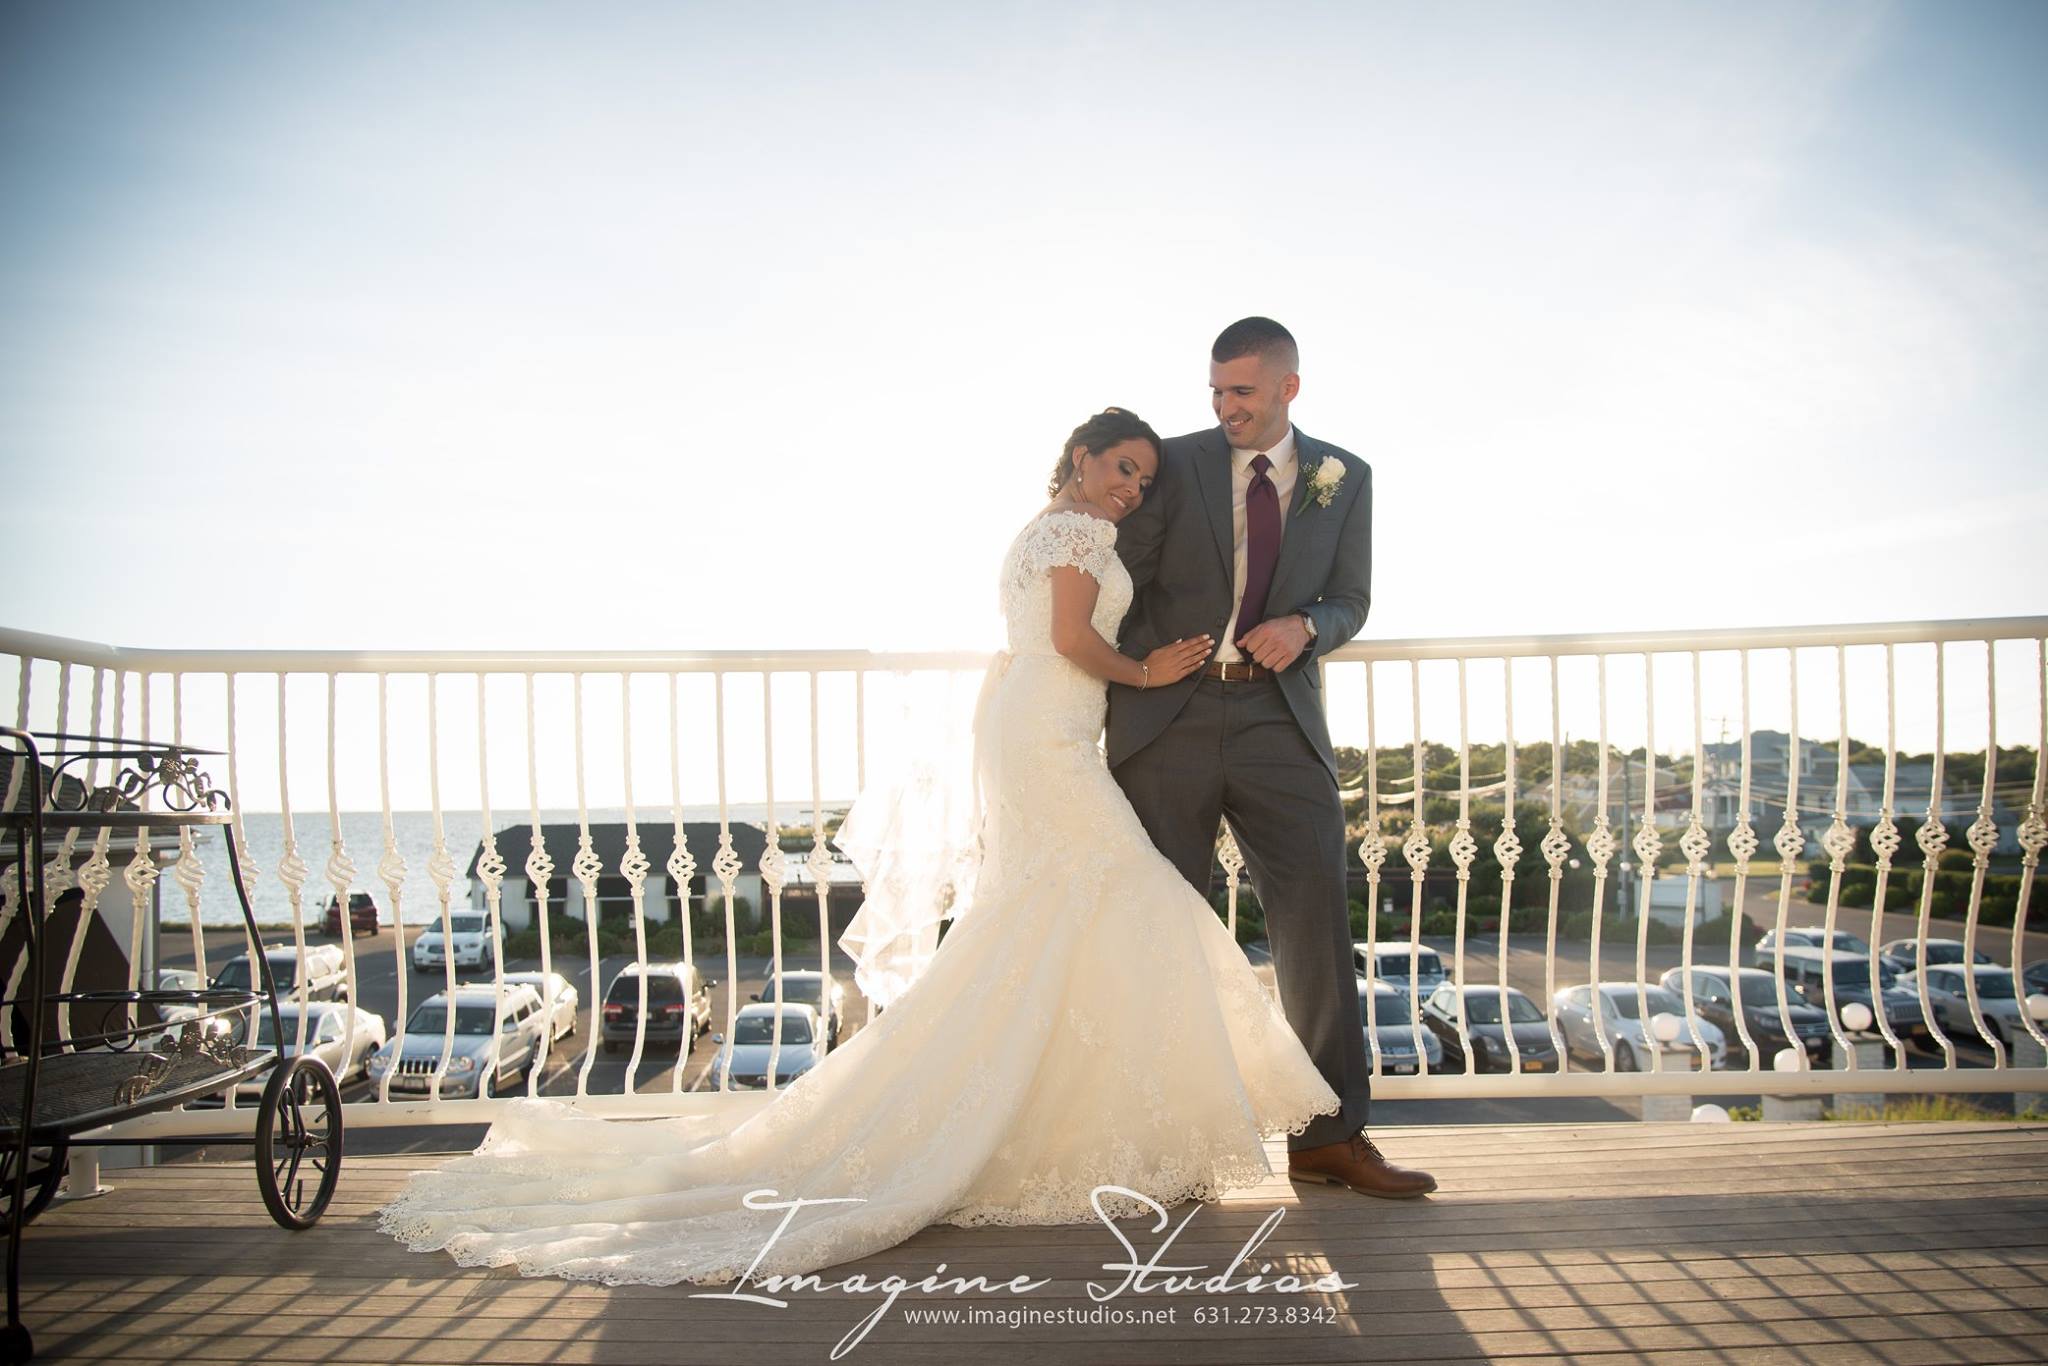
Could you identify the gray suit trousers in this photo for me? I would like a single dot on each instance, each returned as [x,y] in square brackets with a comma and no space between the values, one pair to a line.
[1237,752]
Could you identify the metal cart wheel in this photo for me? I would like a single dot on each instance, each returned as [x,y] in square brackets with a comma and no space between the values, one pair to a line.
[298,1142]
[45,1171]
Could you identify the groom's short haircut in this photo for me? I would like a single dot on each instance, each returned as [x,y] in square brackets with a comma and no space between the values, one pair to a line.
[1257,337]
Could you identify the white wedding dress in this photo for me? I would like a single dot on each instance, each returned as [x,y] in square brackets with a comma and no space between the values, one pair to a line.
[1087,1021]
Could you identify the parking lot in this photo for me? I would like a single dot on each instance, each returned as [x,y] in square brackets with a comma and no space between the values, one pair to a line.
[377,972]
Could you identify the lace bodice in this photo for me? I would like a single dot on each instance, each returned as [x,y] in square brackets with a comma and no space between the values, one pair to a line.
[1046,543]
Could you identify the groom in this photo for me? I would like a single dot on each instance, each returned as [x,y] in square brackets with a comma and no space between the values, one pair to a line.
[1260,535]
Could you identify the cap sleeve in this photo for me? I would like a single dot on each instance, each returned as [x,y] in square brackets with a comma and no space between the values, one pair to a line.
[1070,539]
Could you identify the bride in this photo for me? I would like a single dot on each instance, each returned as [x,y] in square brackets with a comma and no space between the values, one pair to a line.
[1087,1020]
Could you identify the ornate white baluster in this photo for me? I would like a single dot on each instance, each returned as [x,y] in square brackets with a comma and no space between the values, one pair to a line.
[1600,847]
[1695,845]
[441,872]
[1983,839]
[1507,851]
[1885,843]
[1232,859]
[587,867]
[1647,845]
[1839,842]
[1372,852]
[292,872]
[1556,846]
[490,871]
[774,869]
[244,859]
[2033,837]
[819,865]
[57,875]
[341,876]
[142,872]
[1743,844]
[634,866]
[540,870]
[1932,837]
[391,871]
[1415,849]
[1789,841]
[1463,850]
[682,868]
[539,873]
[725,866]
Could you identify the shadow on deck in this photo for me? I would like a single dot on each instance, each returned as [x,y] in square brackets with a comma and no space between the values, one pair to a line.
[1668,1242]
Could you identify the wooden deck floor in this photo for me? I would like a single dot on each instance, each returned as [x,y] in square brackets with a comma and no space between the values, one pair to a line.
[1660,1242]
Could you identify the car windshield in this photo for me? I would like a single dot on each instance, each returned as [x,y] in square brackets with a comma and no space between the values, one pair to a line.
[760,1029]
[1660,999]
[1388,1007]
[1850,943]
[1994,986]
[1485,1008]
[1394,966]
[661,988]
[805,990]
[316,1029]
[433,1019]
[1858,975]
[235,973]
[467,924]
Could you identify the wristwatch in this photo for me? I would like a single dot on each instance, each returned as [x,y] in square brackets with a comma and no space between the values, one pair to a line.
[1309,622]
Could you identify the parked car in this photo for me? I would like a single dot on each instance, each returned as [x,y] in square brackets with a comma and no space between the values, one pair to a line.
[1764,955]
[558,996]
[326,974]
[1948,993]
[678,1005]
[1390,1031]
[1805,970]
[810,988]
[178,1014]
[1630,1035]
[327,1039]
[362,915]
[1535,1048]
[2036,977]
[746,1056]
[514,1036]
[1389,963]
[1713,995]
[469,943]
[1905,953]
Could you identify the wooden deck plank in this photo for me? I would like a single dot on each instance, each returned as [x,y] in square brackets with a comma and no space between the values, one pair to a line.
[1678,1243]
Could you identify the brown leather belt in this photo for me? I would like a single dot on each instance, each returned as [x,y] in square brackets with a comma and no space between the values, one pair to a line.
[1236,671]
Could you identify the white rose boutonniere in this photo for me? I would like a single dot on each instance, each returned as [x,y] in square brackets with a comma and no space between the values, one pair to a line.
[1325,479]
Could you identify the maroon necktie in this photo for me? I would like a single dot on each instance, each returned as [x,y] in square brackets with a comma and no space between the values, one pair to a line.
[1261,544]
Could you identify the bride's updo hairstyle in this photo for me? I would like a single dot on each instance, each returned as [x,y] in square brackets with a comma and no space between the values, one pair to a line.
[1110,427]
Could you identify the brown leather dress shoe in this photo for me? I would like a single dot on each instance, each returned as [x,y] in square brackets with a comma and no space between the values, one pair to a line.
[1356,1163]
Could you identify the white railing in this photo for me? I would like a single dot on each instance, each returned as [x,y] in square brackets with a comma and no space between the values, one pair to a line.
[817,728]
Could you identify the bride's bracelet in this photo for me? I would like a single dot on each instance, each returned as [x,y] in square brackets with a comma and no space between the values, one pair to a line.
[1145,681]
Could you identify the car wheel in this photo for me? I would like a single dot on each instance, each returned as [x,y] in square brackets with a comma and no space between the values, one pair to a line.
[1624,1058]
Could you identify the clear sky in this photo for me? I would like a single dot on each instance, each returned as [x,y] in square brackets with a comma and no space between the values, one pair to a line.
[622,325]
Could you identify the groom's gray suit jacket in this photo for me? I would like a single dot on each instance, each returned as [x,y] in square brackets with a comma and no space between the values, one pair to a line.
[1178,546]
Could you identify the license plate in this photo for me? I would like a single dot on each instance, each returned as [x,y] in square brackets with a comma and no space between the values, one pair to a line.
[411,1083]
[1531,1065]
[1400,1069]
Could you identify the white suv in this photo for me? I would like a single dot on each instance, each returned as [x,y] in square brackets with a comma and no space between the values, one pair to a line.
[468,943]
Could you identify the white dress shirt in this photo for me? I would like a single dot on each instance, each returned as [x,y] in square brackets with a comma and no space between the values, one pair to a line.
[1283,474]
